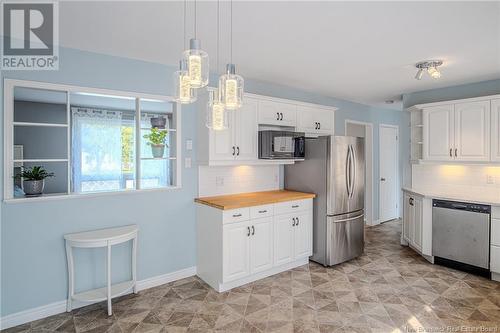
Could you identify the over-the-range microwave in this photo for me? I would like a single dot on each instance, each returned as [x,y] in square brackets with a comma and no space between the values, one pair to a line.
[275,145]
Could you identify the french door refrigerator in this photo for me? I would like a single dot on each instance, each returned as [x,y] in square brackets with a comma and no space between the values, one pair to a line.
[334,169]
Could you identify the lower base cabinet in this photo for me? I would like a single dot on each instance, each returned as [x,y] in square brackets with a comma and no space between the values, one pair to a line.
[236,247]
[412,220]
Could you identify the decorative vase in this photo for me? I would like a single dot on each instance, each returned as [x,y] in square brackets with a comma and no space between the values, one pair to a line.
[158,122]
[157,150]
[33,187]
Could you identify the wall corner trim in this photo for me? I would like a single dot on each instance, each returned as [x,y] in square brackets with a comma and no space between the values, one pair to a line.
[51,309]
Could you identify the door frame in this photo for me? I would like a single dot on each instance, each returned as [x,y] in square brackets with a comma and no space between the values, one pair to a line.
[380,126]
[369,213]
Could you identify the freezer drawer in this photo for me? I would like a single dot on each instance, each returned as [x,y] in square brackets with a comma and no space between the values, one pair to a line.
[345,237]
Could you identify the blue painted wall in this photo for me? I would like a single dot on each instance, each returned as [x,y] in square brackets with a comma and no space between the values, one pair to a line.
[33,263]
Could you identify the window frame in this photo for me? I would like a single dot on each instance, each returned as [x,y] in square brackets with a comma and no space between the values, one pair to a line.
[11,84]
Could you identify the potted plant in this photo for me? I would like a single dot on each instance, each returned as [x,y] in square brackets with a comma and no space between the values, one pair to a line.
[158,122]
[33,179]
[157,139]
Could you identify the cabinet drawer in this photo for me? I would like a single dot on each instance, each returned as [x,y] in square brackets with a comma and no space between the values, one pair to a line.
[495,212]
[261,211]
[292,206]
[495,259]
[495,232]
[236,215]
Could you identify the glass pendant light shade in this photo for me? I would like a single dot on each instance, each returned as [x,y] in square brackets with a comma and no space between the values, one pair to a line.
[217,118]
[434,72]
[231,88]
[197,64]
[183,92]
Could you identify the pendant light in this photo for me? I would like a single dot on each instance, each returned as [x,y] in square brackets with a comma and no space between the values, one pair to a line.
[231,84]
[197,60]
[184,94]
[216,114]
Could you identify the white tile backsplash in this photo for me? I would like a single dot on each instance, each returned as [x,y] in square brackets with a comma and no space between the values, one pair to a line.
[237,179]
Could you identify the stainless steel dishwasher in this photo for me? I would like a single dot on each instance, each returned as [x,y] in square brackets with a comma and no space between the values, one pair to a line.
[461,235]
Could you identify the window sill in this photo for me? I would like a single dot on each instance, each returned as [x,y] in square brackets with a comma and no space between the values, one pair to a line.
[51,197]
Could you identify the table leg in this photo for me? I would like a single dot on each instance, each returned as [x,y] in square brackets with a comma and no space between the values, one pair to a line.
[71,285]
[134,263]
[108,267]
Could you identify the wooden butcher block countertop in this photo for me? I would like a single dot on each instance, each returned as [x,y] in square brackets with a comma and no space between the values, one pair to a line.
[233,201]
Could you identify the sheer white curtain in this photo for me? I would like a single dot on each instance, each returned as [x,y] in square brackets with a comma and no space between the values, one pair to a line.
[96,150]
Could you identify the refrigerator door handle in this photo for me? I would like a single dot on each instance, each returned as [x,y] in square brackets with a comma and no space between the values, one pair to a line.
[353,181]
[349,219]
[348,172]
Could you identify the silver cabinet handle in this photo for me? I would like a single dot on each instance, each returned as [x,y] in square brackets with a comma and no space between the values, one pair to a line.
[248,234]
[236,215]
[350,218]
[262,211]
[456,150]
[295,206]
[253,230]
[293,224]
[451,152]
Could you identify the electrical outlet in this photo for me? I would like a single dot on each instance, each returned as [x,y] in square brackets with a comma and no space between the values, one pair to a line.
[187,162]
[189,144]
[490,179]
[219,181]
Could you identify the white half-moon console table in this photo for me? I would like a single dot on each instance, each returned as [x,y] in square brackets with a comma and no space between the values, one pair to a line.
[101,238]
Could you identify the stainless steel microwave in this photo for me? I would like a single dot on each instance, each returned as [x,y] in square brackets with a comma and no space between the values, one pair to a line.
[274,145]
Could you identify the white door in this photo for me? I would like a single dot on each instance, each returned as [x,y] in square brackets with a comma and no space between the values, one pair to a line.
[261,244]
[406,217]
[388,198]
[439,134]
[495,130]
[283,239]
[302,235]
[277,113]
[246,130]
[236,250]
[417,223]
[222,146]
[472,131]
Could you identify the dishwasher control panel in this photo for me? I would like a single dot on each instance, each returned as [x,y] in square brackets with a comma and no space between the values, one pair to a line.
[466,206]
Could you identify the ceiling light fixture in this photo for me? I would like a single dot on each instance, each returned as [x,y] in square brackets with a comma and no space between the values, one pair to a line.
[184,94]
[231,84]
[431,66]
[197,60]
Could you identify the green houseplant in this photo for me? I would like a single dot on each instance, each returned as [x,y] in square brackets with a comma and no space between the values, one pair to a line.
[33,179]
[157,138]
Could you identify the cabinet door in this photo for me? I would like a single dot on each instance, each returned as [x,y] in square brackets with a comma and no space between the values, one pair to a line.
[417,223]
[222,142]
[438,133]
[495,130]
[406,218]
[261,244]
[277,113]
[315,120]
[246,130]
[302,235]
[236,250]
[472,131]
[283,239]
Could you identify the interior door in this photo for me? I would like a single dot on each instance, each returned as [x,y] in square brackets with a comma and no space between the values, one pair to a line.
[222,143]
[236,250]
[246,130]
[472,131]
[389,161]
[283,239]
[261,244]
[438,122]
[302,235]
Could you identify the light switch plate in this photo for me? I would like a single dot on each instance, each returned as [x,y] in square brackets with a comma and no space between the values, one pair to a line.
[189,144]
[490,179]
[219,181]
[187,162]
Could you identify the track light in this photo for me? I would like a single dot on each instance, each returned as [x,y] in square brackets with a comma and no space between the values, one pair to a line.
[431,66]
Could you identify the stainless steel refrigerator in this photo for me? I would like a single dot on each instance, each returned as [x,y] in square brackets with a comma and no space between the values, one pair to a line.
[334,169]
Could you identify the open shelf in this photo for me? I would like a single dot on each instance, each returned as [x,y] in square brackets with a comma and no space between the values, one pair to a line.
[161,129]
[38,160]
[158,158]
[22,123]
[97,295]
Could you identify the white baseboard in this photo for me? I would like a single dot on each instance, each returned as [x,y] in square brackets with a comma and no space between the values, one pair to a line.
[51,309]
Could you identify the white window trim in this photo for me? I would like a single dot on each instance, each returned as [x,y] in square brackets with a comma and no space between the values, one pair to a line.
[10,84]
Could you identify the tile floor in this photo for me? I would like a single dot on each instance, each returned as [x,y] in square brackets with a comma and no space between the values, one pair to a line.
[388,289]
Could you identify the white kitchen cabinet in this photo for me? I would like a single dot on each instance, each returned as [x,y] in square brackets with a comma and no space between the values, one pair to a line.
[495,243]
[472,131]
[407,210]
[277,113]
[221,142]
[242,245]
[438,136]
[315,120]
[495,130]
[413,220]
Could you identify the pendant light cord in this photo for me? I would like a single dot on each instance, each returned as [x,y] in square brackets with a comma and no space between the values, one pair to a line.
[231,51]
[195,19]
[217,51]
[184,39]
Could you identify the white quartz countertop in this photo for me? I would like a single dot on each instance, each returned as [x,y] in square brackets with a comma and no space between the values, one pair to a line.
[473,195]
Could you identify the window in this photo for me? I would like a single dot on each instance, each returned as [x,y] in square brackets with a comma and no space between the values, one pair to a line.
[93,141]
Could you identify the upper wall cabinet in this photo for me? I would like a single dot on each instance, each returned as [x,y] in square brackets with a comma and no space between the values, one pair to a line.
[315,120]
[438,133]
[495,130]
[472,131]
[277,113]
